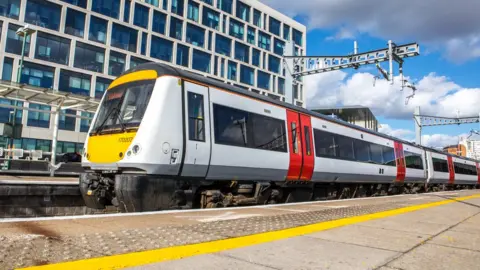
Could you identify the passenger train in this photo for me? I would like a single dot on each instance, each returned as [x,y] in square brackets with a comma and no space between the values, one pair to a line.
[165,138]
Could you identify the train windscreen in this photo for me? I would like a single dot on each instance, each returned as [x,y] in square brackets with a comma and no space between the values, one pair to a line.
[123,107]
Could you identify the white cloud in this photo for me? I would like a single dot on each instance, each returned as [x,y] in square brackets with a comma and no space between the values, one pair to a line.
[451,27]
[433,140]
[404,134]
[436,95]
[343,33]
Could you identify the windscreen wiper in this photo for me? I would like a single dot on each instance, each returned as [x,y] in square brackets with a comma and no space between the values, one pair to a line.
[117,114]
[100,127]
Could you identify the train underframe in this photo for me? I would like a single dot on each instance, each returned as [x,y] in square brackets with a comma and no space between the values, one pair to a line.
[139,193]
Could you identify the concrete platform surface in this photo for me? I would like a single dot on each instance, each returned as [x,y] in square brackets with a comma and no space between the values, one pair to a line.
[424,231]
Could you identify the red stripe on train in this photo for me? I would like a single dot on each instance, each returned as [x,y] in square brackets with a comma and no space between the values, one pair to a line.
[400,161]
[294,146]
[478,172]
[451,170]
[307,147]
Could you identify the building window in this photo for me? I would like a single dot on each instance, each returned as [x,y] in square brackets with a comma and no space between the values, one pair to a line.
[85,123]
[177,7]
[161,49]
[98,29]
[140,17]
[165,5]
[74,82]
[210,2]
[195,35]
[116,65]
[52,48]
[237,29]
[109,8]
[257,18]
[242,52]
[6,113]
[246,75]
[126,11]
[281,86]
[275,26]
[297,37]
[232,71]
[264,41]
[15,42]
[176,27]
[67,147]
[143,46]
[89,57]
[278,46]
[201,61]
[33,144]
[37,75]
[75,23]
[43,13]
[251,35]
[210,18]
[135,61]
[152,2]
[182,55]
[225,5]
[193,9]
[10,8]
[255,57]
[124,37]
[223,45]
[78,3]
[273,64]
[159,20]
[101,85]
[7,69]
[286,32]
[263,80]
[196,126]
[38,119]
[243,11]
[67,122]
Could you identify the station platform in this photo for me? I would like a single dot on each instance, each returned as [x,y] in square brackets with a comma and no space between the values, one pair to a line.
[423,231]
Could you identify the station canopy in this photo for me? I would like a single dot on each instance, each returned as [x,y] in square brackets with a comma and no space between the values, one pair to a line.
[29,93]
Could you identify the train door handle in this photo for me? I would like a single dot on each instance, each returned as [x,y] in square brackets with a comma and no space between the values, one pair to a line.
[174,156]
[381,171]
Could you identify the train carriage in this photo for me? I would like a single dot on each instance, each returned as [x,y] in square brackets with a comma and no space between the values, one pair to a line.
[167,138]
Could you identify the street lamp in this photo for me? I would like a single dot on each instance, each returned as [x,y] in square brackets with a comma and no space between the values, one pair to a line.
[22,32]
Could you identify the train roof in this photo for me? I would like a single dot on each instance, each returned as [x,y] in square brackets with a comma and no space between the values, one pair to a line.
[165,69]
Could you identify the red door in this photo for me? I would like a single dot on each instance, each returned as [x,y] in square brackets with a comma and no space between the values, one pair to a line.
[400,161]
[307,143]
[294,145]
[451,170]
[478,172]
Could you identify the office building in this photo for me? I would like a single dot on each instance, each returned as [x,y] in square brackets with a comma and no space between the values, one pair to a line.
[80,46]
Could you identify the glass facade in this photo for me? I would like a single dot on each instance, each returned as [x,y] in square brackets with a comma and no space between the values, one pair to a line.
[80,46]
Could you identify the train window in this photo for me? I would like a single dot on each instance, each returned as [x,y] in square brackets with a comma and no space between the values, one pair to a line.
[240,128]
[388,156]
[324,144]
[465,169]
[362,150]
[413,160]
[268,133]
[440,165]
[376,152]
[345,147]
[307,141]
[230,126]
[196,127]
[294,137]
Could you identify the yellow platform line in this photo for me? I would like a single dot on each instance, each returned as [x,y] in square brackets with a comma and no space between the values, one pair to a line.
[178,252]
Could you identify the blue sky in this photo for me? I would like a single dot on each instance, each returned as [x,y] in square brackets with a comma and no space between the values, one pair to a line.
[446,73]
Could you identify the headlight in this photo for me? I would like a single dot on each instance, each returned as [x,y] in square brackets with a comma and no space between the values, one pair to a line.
[136,149]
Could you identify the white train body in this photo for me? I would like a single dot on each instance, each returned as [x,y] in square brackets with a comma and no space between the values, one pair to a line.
[192,129]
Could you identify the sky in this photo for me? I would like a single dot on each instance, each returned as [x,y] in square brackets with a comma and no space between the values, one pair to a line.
[446,74]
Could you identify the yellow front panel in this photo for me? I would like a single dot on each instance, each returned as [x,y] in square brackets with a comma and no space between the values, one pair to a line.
[109,148]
